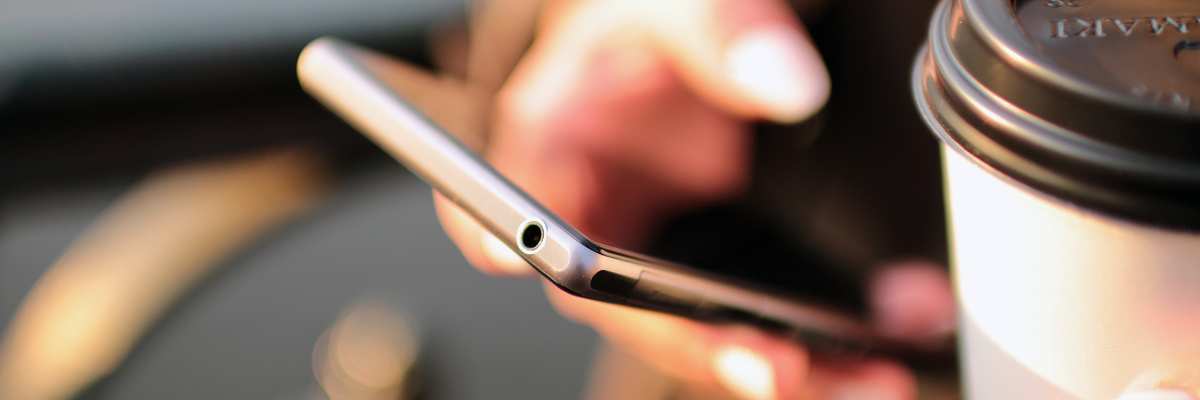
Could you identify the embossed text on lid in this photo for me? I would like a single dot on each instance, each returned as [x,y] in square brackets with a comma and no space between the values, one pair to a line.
[1144,49]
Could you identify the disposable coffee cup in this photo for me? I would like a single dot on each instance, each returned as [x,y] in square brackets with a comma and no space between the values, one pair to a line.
[1070,137]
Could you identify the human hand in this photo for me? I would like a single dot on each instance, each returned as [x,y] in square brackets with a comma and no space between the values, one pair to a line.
[625,112]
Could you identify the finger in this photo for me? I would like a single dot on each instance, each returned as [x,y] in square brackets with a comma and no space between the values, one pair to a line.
[1171,382]
[744,361]
[481,249]
[590,147]
[749,56]
[913,300]
[869,379]
[634,111]
[567,154]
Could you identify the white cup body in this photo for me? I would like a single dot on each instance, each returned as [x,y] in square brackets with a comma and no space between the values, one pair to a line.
[1058,301]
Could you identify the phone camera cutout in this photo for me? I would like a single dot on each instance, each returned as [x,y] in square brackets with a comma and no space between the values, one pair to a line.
[531,236]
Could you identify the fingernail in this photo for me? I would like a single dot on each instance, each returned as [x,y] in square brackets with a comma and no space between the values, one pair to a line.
[1157,394]
[745,373]
[780,71]
[501,256]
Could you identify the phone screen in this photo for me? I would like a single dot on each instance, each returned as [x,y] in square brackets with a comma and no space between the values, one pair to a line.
[735,242]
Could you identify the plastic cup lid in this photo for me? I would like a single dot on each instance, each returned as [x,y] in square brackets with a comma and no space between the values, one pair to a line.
[1093,101]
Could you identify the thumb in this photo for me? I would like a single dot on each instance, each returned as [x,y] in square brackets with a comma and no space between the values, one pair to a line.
[750,56]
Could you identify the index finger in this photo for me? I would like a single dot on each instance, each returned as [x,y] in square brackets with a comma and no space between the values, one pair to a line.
[750,56]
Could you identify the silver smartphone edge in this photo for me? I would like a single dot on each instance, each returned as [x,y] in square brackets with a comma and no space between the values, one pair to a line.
[346,79]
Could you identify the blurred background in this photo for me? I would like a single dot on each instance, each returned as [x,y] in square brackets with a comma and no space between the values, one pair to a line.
[179,220]
[164,112]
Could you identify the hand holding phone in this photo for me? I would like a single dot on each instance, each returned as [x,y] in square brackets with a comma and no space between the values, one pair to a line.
[586,309]
[352,82]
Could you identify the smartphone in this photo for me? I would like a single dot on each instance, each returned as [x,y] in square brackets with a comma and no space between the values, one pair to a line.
[352,81]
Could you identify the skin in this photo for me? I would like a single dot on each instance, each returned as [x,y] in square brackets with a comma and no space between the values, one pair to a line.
[625,112]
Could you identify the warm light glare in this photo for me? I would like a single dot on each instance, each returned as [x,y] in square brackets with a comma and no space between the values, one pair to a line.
[373,346]
[745,373]
[368,354]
